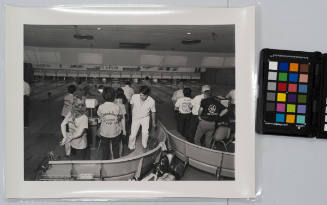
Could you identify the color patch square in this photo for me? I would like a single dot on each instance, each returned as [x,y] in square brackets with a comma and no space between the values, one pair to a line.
[300,119]
[282,76]
[301,108]
[273,65]
[325,127]
[281,97]
[304,68]
[303,78]
[294,67]
[303,88]
[272,76]
[280,107]
[283,66]
[292,87]
[270,106]
[290,118]
[293,77]
[280,117]
[291,98]
[271,86]
[282,86]
[301,98]
[326,118]
[270,116]
[290,108]
[271,96]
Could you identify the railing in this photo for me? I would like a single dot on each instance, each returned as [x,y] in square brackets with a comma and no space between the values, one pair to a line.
[124,168]
[212,161]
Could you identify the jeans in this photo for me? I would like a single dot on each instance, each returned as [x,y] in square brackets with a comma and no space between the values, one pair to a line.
[110,147]
[206,128]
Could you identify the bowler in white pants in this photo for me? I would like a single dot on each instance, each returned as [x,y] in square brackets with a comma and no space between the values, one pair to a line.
[142,105]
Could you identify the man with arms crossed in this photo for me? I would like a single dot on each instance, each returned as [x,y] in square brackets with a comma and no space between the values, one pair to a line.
[142,104]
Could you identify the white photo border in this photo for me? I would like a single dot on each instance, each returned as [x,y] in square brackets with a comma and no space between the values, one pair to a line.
[243,18]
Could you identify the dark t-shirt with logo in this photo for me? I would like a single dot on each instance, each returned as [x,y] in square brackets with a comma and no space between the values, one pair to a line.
[211,109]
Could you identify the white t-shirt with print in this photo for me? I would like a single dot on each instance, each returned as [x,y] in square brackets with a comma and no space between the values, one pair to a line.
[110,115]
[184,105]
[76,126]
[141,108]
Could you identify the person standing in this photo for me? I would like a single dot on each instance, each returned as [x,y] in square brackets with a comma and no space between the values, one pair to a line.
[128,90]
[184,108]
[27,93]
[231,96]
[231,108]
[194,120]
[142,105]
[121,101]
[110,116]
[210,112]
[68,100]
[77,122]
[147,82]
[178,93]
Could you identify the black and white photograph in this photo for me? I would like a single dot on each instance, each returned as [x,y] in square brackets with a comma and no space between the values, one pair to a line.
[129,102]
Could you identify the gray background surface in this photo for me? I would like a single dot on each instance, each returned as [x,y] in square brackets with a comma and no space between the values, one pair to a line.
[288,170]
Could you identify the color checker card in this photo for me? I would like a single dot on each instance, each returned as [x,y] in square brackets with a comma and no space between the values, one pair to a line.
[286,103]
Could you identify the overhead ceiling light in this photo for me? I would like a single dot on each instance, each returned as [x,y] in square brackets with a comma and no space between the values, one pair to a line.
[188,33]
[99,28]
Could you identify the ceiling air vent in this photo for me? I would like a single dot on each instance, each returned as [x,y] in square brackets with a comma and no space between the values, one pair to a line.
[83,37]
[134,45]
[191,42]
[79,36]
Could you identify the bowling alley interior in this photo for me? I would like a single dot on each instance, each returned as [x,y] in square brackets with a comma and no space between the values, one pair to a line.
[129,102]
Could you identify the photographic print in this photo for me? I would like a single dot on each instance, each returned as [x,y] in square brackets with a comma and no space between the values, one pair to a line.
[134,102]
[129,102]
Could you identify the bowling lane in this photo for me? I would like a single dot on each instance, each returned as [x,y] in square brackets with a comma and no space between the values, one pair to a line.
[44,133]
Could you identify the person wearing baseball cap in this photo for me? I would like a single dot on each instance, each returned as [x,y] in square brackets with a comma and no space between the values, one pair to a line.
[205,88]
[194,120]
[210,112]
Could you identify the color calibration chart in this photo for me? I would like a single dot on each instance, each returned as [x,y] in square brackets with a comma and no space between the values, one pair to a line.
[287,88]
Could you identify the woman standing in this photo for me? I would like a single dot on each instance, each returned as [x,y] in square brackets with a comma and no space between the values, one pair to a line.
[75,138]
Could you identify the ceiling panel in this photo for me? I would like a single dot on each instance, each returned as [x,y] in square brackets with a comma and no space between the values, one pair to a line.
[213,38]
